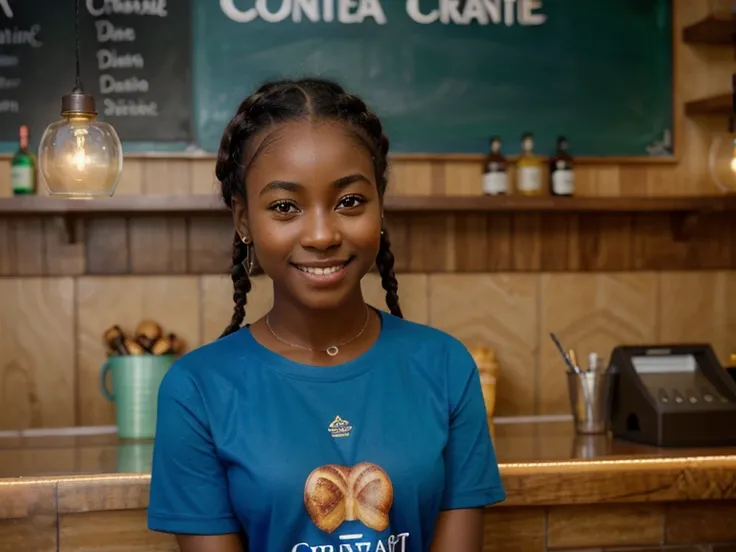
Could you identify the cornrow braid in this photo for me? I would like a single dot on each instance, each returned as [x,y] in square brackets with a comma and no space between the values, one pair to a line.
[309,99]
[385,266]
[241,285]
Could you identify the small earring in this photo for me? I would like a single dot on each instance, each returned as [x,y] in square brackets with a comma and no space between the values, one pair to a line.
[245,240]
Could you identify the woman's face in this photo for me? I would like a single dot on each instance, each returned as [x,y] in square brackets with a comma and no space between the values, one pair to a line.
[313,213]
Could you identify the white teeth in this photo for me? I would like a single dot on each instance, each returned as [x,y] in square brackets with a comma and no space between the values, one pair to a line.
[320,271]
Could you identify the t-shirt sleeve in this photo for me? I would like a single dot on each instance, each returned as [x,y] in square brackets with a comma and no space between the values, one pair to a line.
[189,492]
[472,477]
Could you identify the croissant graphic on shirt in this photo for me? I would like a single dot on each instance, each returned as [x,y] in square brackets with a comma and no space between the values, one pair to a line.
[333,494]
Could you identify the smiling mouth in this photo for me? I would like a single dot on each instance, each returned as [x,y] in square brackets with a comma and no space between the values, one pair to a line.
[324,270]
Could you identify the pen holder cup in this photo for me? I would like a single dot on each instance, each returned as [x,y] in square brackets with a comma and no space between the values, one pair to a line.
[135,381]
[590,400]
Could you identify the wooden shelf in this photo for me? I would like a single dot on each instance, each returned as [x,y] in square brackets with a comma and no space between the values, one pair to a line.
[208,204]
[714,29]
[719,105]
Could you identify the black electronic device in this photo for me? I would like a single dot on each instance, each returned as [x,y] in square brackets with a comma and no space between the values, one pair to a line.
[672,396]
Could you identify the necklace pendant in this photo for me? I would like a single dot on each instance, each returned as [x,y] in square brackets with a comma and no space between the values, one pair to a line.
[332,351]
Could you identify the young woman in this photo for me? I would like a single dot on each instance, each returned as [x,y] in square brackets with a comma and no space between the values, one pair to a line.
[327,425]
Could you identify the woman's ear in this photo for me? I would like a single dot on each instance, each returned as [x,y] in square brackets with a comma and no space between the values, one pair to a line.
[240,218]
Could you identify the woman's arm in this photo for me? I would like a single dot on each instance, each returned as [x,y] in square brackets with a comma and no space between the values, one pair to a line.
[209,543]
[459,531]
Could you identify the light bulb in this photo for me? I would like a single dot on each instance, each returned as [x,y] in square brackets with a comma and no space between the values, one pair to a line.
[722,162]
[80,156]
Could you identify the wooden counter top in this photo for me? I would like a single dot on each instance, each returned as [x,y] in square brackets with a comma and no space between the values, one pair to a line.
[541,464]
[76,494]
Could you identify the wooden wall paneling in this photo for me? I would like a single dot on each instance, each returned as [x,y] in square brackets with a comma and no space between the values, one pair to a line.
[399,234]
[203,179]
[614,525]
[698,307]
[158,245]
[604,243]
[560,242]
[37,380]
[112,531]
[500,311]
[471,243]
[131,179]
[166,177]
[700,522]
[5,187]
[210,243]
[411,178]
[430,249]
[107,246]
[507,529]
[589,312]
[29,518]
[527,242]
[500,241]
[62,257]
[413,295]
[172,301]
[216,303]
[22,247]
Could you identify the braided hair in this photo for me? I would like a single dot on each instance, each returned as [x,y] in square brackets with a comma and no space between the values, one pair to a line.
[292,100]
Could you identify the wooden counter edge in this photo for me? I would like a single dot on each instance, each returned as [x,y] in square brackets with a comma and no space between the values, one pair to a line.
[616,481]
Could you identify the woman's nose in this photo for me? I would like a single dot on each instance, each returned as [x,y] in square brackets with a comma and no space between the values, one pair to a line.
[321,232]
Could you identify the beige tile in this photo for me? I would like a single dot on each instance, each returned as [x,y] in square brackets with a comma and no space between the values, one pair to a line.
[699,307]
[590,312]
[412,295]
[496,310]
[217,303]
[172,301]
[36,352]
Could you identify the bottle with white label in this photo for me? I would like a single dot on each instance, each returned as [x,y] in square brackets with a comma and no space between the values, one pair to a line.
[561,171]
[529,168]
[23,167]
[495,177]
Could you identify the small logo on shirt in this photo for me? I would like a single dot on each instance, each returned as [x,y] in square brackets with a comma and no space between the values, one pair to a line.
[339,427]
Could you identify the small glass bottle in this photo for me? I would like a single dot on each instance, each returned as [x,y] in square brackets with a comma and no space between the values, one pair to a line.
[529,167]
[561,171]
[495,177]
[23,167]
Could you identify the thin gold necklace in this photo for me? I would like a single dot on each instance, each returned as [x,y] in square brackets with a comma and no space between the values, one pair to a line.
[331,350]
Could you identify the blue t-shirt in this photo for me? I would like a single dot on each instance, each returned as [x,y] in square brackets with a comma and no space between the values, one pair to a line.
[358,456]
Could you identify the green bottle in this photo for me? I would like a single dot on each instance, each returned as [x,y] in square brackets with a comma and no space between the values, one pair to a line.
[23,167]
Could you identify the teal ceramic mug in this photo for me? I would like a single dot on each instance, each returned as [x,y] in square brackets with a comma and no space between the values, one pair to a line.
[135,381]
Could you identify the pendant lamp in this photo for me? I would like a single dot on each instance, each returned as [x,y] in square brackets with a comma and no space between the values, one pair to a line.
[722,154]
[79,156]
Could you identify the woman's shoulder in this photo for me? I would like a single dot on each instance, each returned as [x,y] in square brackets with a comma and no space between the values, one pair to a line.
[209,360]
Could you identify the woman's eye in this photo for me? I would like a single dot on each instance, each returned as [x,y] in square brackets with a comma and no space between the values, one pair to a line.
[350,201]
[284,207]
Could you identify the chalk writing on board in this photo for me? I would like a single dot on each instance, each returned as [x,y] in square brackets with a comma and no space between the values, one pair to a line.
[112,58]
[446,12]
[98,8]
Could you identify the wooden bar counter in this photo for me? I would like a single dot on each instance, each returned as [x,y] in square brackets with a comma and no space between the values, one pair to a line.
[565,492]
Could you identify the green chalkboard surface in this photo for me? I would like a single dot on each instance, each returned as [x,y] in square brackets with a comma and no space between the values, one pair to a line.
[598,71]
[444,75]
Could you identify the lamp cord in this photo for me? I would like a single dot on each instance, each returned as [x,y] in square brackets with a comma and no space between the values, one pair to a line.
[78,82]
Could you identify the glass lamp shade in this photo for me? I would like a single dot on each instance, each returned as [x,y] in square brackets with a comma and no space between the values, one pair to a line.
[80,157]
[722,162]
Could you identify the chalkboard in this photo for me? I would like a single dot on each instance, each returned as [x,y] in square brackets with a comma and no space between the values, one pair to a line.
[443,75]
[136,62]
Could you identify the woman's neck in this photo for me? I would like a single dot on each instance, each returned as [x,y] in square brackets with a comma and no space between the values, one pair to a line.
[318,329]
